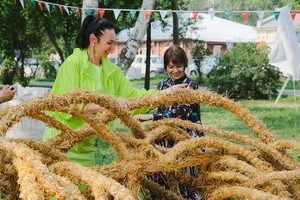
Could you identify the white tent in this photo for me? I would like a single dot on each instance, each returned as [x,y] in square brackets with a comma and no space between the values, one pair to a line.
[205,28]
[220,30]
[285,53]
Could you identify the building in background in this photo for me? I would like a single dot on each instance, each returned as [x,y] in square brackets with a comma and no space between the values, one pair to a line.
[267,29]
[218,35]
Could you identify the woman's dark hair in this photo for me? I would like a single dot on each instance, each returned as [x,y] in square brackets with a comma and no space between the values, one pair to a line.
[175,54]
[91,25]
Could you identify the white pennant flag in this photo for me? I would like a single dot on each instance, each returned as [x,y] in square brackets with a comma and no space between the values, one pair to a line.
[66,9]
[211,13]
[116,13]
[163,14]
[260,15]
[22,3]
[47,6]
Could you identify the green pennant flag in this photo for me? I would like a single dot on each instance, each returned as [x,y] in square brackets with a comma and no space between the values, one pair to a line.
[54,7]
[178,13]
[132,13]
[227,14]
[89,12]
[276,14]
[33,4]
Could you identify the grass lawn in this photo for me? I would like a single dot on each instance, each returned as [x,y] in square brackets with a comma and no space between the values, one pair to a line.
[283,119]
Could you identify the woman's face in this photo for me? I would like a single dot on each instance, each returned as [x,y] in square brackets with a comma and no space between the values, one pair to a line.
[106,43]
[175,72]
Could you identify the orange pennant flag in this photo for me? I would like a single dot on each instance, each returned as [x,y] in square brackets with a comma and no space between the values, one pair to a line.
[78,11]
[41,6]
[15,1]
[245,16]
[61,10]
[293,14]
[195,15]
[147,13]
[101,13]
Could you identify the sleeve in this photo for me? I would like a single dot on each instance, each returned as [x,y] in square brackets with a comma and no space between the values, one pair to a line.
[67,78]
[126,90]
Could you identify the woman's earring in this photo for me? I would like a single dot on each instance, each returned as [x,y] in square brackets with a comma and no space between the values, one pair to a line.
[93,44]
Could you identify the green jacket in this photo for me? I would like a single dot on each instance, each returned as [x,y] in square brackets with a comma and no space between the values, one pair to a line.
[77,72]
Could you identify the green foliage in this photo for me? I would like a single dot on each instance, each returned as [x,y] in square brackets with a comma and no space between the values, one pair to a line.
[7,74]
[199,52]
[245,73]
[49,69]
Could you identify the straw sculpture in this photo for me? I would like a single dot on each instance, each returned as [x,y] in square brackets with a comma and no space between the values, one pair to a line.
[233,165]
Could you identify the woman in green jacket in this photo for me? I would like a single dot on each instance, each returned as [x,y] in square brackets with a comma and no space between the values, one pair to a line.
[89,68]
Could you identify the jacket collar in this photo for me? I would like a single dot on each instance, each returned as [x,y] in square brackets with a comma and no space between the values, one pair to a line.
[108,69]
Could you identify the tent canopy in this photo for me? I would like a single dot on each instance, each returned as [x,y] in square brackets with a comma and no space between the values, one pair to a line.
[205,28]
[285,53]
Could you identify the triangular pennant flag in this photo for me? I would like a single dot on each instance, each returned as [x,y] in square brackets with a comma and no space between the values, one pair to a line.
[22,3]
[260,15]
[276,14]
[88,12]
[132,13]
[245,15]
[41,6]
[227,14]
[116,13]
[178,13]
[211,13]
[78,11]
[60,9]
[15,1]
[54,7]
[48,7]
[66,9]
[293,14]
[195,15]
[33,4]
[101,13]
[147,13]
[163,14]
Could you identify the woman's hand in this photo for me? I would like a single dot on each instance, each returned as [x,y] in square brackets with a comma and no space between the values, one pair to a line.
[123,102]
[7,93]
[182,85]
[93,108]
[143,117]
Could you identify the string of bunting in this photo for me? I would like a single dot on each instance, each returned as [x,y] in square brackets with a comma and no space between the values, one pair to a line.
[101,11]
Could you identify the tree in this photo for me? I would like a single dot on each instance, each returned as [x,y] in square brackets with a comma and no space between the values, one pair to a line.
[134,42]
[17,35]
[245,73]
[89,4]
[199,52]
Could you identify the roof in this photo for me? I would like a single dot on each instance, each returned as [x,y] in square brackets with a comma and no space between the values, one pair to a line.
[205,28]
[271,22]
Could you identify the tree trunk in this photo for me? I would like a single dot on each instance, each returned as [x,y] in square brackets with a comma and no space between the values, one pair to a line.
[53,40]
[175,23]
[86,5]
[148,54]
[133,44]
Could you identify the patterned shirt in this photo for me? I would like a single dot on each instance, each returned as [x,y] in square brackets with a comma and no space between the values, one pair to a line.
[182,111]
